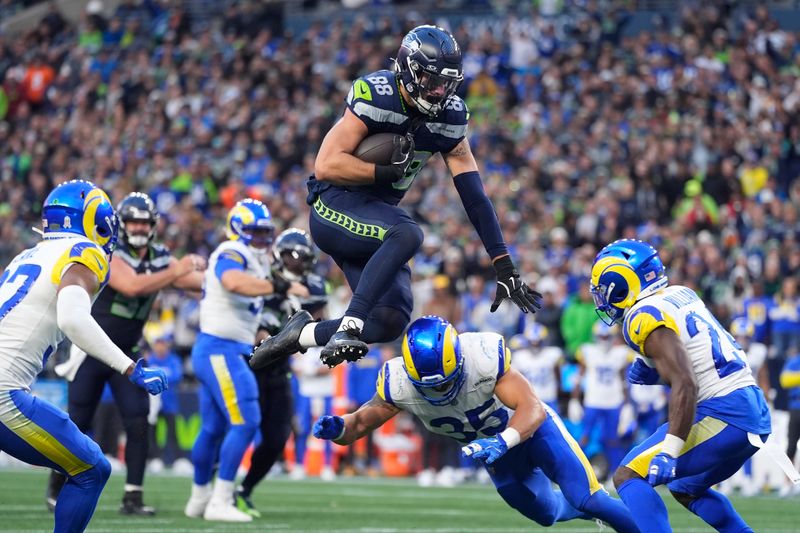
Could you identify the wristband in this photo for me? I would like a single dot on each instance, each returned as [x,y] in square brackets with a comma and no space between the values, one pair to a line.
[510,436]
[672,445]
[386,175]
[504,267]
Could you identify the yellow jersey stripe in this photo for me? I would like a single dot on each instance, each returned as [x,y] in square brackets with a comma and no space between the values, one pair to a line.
[223,375]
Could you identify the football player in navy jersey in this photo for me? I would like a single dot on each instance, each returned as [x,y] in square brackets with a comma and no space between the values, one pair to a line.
[355,217]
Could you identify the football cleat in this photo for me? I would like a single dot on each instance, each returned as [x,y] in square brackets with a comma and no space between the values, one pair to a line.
[196,505]
[281,345]
[344,346]
[245,504]
[132,504]
[218,511]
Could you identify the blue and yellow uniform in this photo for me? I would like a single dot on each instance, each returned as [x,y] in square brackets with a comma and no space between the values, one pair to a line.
[31,429]
[524,475]
[229,394]
[351,223]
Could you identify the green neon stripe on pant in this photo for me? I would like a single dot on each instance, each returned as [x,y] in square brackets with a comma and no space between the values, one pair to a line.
[350,224]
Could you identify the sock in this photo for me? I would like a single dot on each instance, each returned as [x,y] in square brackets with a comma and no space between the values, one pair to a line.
[201,492]
[716,511]
[136,432]
[612,511]
[646,506]
[131,488]
[223,491]
[307,339]
[350,322]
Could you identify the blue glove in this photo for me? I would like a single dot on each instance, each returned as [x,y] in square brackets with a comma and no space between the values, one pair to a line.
[328,427]
[662,469]
[153,380]
[641,374]
[487,450]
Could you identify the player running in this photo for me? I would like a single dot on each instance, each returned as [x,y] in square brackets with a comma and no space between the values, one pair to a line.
[46,292]
[462,386]
[718,417]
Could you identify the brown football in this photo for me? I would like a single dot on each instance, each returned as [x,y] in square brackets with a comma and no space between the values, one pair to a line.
[377,148]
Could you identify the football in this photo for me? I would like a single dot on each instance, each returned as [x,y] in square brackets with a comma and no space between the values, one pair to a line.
[377,148]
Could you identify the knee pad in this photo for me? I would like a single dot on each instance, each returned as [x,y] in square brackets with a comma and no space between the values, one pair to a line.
[407,237]
[96,476]
[525,504]
[384,324]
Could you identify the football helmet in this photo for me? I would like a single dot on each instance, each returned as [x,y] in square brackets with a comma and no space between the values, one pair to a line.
[81,208]
[432,359]
[430,67]
[137,207]
[294,252]
[535,333]
[249,221]
[622,273]
[741,328]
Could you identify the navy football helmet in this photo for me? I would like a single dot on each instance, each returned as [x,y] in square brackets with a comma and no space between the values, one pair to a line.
[430,67]
[138,207]
[294,251]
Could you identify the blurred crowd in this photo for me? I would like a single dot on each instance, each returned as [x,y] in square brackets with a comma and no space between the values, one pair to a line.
[684,135]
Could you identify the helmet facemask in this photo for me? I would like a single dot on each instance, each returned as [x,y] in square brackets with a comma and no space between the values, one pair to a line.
[430,90]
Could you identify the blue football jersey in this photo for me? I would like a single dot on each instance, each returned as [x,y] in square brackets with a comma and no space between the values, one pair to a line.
[376,100]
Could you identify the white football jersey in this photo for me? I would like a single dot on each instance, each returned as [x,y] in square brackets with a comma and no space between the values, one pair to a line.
[312,384]
[603,384]
[719,364]
[475,412]
[539,368]
[28,324]
[647,397]
[226,314]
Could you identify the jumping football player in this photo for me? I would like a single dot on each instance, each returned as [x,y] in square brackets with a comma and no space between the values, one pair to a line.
[355,217]
[462,386]
[46,292]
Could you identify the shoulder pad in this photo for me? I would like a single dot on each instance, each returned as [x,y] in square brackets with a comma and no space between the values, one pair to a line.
[372,98]
[87,253]
[488,351]
[392,382]
[641,322]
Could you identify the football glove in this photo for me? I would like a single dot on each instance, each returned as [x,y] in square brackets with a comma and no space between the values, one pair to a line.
[329,427]
[153,380]
[487,450]
[641,374]
[662,469]
[402,155]
[509,285]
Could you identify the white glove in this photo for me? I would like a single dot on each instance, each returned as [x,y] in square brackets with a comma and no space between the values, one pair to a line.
[574,411]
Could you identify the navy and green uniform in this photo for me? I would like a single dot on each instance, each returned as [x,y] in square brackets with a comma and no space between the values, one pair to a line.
[122,318]
[353,224]
[274,384]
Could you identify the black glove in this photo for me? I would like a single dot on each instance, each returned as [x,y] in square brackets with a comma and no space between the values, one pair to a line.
[510,286]
[279,284]
[402,155]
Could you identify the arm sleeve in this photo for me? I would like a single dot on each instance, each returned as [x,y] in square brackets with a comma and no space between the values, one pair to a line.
[481,212]
[74,317]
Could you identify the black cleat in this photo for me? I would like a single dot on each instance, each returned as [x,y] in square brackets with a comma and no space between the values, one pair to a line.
[132,504]
[281,345]
[344,346]
[54,485]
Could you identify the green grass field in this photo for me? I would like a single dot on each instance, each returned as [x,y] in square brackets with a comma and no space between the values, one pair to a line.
[362,505]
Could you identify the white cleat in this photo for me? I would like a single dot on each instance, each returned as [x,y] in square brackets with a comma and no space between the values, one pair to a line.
[225,512]
[327,474]
[196,506]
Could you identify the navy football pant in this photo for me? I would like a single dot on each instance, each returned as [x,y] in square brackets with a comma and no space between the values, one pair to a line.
[372,242]
[85,392]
